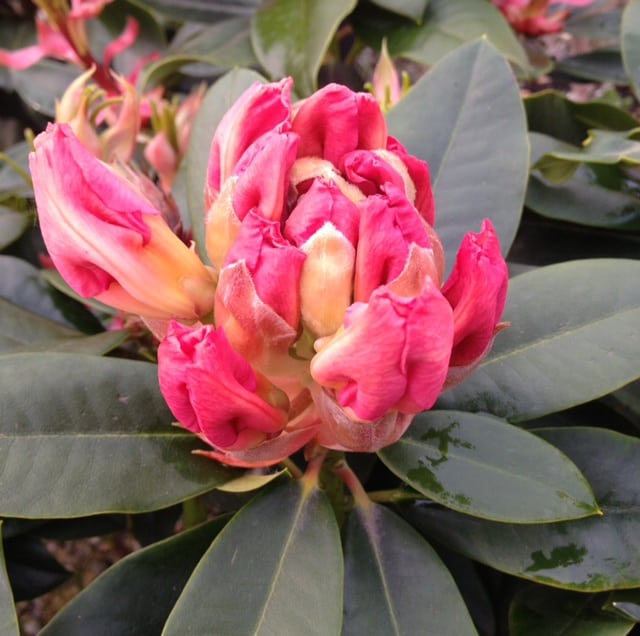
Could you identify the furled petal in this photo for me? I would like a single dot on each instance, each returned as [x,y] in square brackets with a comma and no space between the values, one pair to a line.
[369,172]
[323,203]
[388,226]
[263,175]
[128,36]
[105,238]
[326,282]
[261,108]
[340,431]
[419,172]
[335,121]
[273,263]
[213,391]
[477,292]
[392,354]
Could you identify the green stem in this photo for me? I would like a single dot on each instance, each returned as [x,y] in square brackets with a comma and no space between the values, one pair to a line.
[17,167]
[394,496]
[293,468]
[194,512]
[342,470]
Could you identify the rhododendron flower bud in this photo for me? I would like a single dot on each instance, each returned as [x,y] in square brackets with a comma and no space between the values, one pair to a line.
[332,323]
[537,17]
[387,85]
[106,239]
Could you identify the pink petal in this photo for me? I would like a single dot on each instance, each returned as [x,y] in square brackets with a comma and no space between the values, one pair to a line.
[270,452]
[106,239]
[212,390]
[388,226]
[419,173]
[263,175]
[393,354]
[128,36]
[335,121]
[340,431]
[369,172]
[323,203]
[260,109]
[274,264]
[477,292]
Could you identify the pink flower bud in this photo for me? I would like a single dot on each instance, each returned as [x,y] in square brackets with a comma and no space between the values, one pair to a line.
[106,239]
[537,17]
[214,392]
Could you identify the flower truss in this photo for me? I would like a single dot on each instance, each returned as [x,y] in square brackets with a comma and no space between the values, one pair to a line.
[323,317]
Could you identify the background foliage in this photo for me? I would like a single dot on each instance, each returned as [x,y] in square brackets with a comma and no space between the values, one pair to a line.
[510,508]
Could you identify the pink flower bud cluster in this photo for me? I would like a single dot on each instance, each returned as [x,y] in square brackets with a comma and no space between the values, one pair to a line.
[537,17]
[324,317]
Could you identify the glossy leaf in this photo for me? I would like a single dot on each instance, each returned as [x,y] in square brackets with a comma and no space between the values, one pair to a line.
[552,113]
[41,84]
[119,600]
[203,10]
[224,45]
[291,37]
[413,9]
[449,24]
[463,461]
[630,43]
[544,611]
[8,618]
[95,437]
[602,65]
[276,568]
[573,338]
[249,481]
[31,568]
[25,286]
[601,147]
[596,25]
[12,225]
[218,100]
[472,132]
[395,583]
[625,603]
[23,331]
[581,199]
[588,555]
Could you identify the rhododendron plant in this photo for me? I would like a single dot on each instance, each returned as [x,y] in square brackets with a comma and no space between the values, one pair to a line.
[331,320]
[537,17]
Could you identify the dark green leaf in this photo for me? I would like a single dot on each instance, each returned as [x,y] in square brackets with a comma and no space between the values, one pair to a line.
[448,24]
[8,618]
[119,601]
[394,581]
[552,113]
[218,100]
[603,65]
[599,25]
[583,198]
[25,286]
[23,331]
[202,10]
[95,437]
[630,43]
[31,568]
[573,338]
[625,603]
[12,225]
[413,9]
[544,611]
[41,84]
[276,568]
[588,555]
[488,468]
[465,118]
[222,45]
[291,37]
